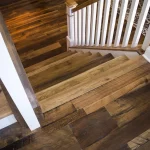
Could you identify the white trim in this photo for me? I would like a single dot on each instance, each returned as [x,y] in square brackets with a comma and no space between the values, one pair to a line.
[146,55]
[7,121]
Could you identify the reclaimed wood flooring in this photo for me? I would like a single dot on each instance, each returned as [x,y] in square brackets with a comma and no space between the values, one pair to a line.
[89,101]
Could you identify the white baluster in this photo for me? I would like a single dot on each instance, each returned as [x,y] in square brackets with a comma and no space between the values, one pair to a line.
[112,22]
[130,21]
[93,23]
[70,24]
[83,25]
[146,42]
[105,21]
[99,22]
[120,22]
[146,55]
[79,27]
[75,29]
[88,25]
[141,22]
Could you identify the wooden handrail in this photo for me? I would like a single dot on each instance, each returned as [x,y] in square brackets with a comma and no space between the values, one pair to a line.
[71,3]
[85,4]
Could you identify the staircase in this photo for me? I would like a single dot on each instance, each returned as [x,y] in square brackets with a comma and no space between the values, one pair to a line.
[112,93]
[93,96]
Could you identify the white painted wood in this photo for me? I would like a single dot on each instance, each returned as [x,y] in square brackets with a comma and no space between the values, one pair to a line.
[93,23]
[141,22]
[13,84]
[79,27]
[146,55]
[99,22]
[88,25]
[123,10]
[146,42]
[130,21]
[70,24]
[105,21]
[112,22]
[75,29]
[7,121]
[83,25]
[130,55]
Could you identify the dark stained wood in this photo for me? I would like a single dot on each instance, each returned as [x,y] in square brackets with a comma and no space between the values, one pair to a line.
[6,2]
[146,146]
[130,106]
[60,140]
[93,127]
[120,136]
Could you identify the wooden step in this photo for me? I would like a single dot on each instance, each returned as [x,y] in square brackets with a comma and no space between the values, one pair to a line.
[89,63]
[41,80]
[93,127]
[126,107]
[130,75]
[76,86]
[47,62]
[5,110]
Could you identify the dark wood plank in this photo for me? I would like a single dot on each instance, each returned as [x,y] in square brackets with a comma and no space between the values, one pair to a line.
[146,146]
[130,106]
[93,127]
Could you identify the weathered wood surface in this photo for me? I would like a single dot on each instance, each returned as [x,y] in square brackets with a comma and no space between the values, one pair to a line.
[5,110]
[93,127]
[76,86]
[120,136]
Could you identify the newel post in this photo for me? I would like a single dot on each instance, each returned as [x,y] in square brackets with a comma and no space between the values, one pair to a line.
[70,4]
[15,80]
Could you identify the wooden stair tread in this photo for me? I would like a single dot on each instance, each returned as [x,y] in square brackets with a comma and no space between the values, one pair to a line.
[93,62]
[5,110]
[41,80]
[48,61]
[76,86]
[93,127]
[128,107]
[101,96]
[123,134]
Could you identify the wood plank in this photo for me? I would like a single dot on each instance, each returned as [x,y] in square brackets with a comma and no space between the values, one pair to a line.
[93,127]
[36,53]
[113,85]
[79,85]
[120,136]
[146,146]
[48,61]
[5,110]
[130,106]
[60,140]
[118,93]
[39,81]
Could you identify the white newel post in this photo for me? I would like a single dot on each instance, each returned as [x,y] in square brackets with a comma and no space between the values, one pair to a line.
[11,80]
[70,23]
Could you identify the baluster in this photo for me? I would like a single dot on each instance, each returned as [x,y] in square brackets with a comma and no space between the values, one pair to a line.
[75,29]
[93,23]
[112,22]
[120,22]
[105,21]
[99,22]
[79,27]
[70,22]
[146,42]
[130,21]
[141,22]
[88,25]
[83,25]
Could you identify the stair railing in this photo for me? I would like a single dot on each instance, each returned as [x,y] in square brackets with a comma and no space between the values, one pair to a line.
[94,23]
[15,80]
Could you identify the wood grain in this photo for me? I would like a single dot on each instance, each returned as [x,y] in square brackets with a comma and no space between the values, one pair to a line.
[93,127]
